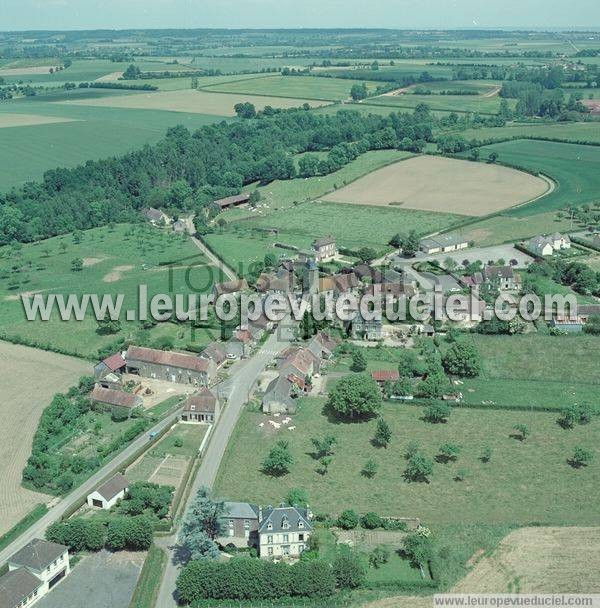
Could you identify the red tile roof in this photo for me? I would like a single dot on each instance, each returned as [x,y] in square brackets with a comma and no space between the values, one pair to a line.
[114,362]
[385,375]
[171,359]
[112,397]
[202,401]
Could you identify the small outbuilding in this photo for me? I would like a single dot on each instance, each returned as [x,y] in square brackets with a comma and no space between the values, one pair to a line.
[107,495]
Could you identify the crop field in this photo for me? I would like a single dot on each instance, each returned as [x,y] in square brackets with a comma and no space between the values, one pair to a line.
[569,132]
[539,560]
[200,102]
[328,89]
[79,133]
[573,167]
[454,103]
[25,393]
[115,261]
[524,481]
[430,183]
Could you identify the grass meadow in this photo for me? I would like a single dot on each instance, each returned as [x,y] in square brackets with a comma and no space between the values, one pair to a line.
[525,481]
[453,103]
[116,261]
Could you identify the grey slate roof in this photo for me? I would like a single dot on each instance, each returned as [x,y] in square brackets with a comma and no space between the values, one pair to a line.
[240,510]
[37,554]
[113,486]
[276,516]
[16,585]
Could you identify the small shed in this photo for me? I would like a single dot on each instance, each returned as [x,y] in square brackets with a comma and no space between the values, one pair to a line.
[109,493]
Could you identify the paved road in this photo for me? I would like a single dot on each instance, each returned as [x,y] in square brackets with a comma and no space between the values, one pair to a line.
[38,529]
[244,378]
[214,259]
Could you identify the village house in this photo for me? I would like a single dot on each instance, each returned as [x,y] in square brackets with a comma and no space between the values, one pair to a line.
[229,288]
[109,493]
[280,282]
[574,323]
[120,403]
[108,372]
[240,344]
[240,525]
[155,216]
[338,284]
[324,249]
[232,201]
[365,329]
[542,245]
[179,227]
[201,407]
[170,366]
[443,243]
[45,561]
[280,396]
[504,277]
[215,352]
[283,531]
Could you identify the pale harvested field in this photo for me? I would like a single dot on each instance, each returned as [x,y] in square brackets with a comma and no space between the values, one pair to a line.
[27,120]
[201,102]
[528,560]
[38,69]
[28,380]
[112,77]
[539,560]
[435,183]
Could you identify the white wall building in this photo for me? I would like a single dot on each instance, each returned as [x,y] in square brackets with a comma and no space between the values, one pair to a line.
[107,495]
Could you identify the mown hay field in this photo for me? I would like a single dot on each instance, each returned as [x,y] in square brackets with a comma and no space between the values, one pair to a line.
[201,102]
[28,381]
[444,185]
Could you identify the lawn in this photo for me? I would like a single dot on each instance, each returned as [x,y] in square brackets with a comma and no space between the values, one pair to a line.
[146,590]
[116,261]
[524,481]
[573,167]
[308,87]
[93,133]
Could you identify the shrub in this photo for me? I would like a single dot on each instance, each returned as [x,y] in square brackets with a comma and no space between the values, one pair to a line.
[348,570]
[371,521]
[348,520]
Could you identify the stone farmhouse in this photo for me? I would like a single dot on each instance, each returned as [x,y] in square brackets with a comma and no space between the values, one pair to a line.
[324,249]
[240,525]
[201,407]
[120,402]
[32,572]
[109,493]
[170,366]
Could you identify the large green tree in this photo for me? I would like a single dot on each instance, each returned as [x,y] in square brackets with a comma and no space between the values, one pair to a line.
[355,397]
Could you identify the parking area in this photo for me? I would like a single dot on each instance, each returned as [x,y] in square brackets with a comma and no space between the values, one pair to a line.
[101,580]
[485,254]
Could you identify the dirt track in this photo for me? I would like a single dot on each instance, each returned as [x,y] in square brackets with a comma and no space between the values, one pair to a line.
[28,380]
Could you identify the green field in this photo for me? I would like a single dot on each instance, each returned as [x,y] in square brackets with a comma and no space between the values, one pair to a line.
[308,87]
[524,481]
[454,103]
[97,132]
[567,131]
[118,260]
[574,168]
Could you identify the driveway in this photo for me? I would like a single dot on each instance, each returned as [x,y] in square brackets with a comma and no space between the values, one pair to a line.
[100,580]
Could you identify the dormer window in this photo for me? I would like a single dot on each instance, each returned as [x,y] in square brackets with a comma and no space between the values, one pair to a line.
[193,408]
[269,526]
[301,524]
[285,524]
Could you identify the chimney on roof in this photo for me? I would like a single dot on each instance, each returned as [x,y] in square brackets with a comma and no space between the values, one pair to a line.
[260,514]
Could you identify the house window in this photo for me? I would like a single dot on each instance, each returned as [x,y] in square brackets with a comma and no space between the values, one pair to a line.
[270,551]
[285,550]
[231,528]
[285,524]
[300,536]
[270,540]
[246,524]
[193,408]
[286,538]
[301,524]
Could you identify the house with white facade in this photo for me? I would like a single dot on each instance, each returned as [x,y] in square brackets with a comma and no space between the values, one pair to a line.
[324,249]
[283,532]
[32,572]
[109,493]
